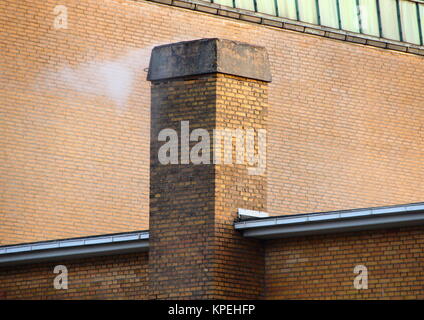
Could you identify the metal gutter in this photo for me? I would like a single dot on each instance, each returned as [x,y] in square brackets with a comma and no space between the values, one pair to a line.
[333,222]
[74,248]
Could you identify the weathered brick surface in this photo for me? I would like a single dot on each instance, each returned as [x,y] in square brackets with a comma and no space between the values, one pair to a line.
[194,249]
[109,277]
[239,265]
[345,124]
[321,267]
[181,195]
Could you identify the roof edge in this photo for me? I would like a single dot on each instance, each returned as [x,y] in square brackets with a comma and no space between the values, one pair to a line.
[74,248]
[293,25]
[333,222]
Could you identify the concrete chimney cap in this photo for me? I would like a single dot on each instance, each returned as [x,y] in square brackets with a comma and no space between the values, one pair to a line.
[205,56]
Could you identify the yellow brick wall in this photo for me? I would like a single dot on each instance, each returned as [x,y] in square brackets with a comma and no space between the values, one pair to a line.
[74,121]
[344,131]
[110,277]
[344,126]
[322,267]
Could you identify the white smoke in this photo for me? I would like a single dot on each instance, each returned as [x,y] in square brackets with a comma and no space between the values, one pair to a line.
[113,79]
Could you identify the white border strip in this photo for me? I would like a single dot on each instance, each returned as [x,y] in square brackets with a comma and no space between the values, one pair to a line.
[251,214]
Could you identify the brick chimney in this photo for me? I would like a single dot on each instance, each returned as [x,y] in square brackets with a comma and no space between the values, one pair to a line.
[206,84]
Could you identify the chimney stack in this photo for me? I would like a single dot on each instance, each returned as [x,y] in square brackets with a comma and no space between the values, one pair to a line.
[202,92]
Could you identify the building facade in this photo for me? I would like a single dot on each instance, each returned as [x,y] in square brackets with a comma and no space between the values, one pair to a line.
[84,99]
